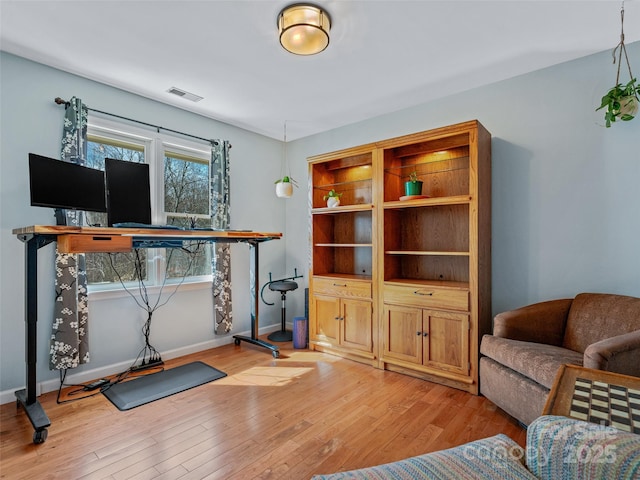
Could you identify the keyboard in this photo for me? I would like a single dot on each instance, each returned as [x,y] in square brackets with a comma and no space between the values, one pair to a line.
[211,229]
[146,226]
[174,227]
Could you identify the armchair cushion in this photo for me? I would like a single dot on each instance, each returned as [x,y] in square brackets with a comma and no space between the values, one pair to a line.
[595,316]
[542,322]
[536,361]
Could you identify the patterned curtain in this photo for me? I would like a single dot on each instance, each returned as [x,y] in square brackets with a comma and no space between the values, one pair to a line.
[220,219]
[69,338]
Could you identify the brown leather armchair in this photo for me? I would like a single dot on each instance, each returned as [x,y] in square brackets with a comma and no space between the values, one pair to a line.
[520,360]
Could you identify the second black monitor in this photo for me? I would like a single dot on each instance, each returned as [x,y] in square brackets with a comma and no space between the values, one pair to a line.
[128,192]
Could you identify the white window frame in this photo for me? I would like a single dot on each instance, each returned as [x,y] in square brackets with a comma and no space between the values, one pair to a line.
[154,145]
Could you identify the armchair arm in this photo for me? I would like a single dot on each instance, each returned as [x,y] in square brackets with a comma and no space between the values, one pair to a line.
[620,354]
[542,322]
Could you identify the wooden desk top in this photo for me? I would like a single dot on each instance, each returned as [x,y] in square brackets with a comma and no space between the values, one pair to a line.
[145,232]
[596,396]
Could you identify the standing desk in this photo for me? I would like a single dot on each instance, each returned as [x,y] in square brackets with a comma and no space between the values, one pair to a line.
[103,239]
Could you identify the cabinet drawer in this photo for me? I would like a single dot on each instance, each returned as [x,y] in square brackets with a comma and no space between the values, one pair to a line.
[93,243]
[339,287]
[423,296]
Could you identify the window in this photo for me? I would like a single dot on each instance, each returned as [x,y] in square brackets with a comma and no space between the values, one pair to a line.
[187,204]
[179,182]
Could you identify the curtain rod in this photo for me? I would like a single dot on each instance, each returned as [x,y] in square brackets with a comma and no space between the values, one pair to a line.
[66,104]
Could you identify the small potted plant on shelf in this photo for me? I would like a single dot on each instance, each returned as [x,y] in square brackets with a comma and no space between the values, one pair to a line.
[413,186]
[332,198]
[621,102]
[284,186]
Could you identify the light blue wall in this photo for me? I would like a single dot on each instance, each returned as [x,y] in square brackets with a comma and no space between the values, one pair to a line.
[32,122]
[566,190]
[566,211]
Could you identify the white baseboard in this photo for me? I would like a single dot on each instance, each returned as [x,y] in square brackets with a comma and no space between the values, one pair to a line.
[45,386]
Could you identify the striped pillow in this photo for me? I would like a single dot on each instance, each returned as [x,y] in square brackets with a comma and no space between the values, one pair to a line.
[493,458]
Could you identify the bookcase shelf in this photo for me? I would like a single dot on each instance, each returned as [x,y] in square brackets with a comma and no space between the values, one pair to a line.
[426,253]
[426,202]
[343,208]
[350,175]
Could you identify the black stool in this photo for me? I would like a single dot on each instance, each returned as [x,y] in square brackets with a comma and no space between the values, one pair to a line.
[282,286]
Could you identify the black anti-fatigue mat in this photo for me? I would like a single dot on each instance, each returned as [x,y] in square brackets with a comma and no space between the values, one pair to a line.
[148,388]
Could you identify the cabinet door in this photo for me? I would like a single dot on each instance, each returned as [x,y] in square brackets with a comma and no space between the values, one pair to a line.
[402,330]
[326,315]
[356,324]
[446,346]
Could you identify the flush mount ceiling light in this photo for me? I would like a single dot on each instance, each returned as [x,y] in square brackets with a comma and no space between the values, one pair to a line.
[304,29]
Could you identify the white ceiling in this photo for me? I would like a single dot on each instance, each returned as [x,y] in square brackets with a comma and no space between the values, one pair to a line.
[383,55]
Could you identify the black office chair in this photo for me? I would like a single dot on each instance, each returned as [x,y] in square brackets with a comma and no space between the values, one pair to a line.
[282,286]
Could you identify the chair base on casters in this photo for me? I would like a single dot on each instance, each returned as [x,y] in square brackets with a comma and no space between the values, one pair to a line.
[281,336]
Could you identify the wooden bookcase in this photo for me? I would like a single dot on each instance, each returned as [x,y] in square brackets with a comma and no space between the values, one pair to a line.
[426,261]
[343,256]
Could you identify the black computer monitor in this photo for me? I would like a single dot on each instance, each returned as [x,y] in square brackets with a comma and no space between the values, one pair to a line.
[128,192]
[59,184]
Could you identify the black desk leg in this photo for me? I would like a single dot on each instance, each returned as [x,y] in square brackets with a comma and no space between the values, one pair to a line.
[255,286]
[27,397]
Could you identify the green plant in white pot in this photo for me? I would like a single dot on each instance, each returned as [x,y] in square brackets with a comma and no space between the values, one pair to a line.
[621,102]
[332,198]
[284,186]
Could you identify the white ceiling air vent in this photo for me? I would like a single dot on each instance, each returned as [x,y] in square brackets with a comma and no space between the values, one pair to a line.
[183,94]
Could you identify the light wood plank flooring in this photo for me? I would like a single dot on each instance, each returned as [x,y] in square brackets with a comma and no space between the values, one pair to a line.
[290,418]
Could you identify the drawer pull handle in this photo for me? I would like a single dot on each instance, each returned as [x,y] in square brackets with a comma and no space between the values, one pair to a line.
[428,294]
[425,334]
[418,333]
[339,285]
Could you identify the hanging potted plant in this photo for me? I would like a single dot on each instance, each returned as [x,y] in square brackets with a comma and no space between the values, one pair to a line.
[284,186]
[621,101]
[332,198]
[413,186]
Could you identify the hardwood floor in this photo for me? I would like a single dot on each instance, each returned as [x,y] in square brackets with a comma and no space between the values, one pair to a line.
[290,418]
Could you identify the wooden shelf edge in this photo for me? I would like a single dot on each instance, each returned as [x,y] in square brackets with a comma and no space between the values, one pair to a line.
[430,135]
[429,283]
[343,350]
[458,377]
[344,276]
[344,209]
[353,245]
[426,253]
[429,202]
